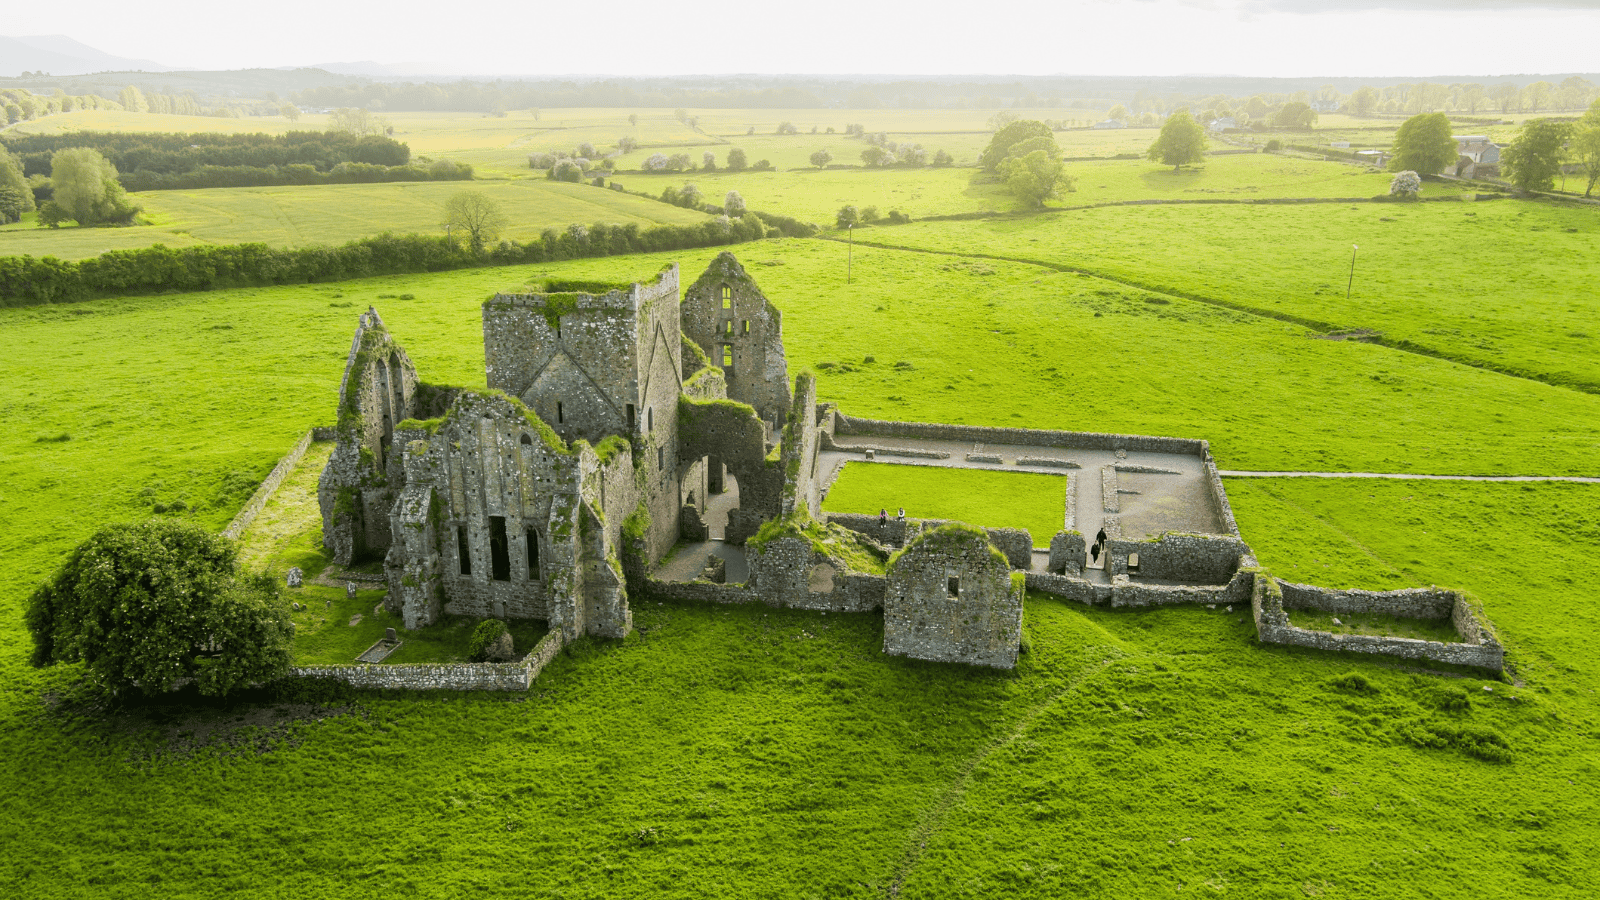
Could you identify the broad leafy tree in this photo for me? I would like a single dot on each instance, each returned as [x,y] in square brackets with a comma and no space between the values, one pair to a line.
[16,197]
[738,161]
[1181,142]
[1295,115]
[1533,159]
[85,188]
[1423,144]
[1036,177]
[733,205]
[821,158]
[1362,102]
[1586,146]
[145,605]
[473,214]
[1000,146]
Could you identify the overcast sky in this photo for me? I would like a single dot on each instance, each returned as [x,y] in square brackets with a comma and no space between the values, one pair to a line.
[1406,38]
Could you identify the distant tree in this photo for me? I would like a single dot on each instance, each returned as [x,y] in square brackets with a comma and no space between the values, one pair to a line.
[290,111]
[656,163]
[1256,107]
[1586,145]
[750,130]
[876,156]
[1009,135]
[848,215]
[132,99]
[16,197]
[737,160]
[473,214]
[869,215]
[943,159]
[733,205]
[682,115]
[691,197]
[1537,95]
[1036,177]
[1274,145]
[1117,112]
[1295,115]
[626,144]
[1181,142]
[821,158]
[1405,184]
[84,186]
[787,128]
[678,162]
[541,160]
[566,170]
[633,119]
[145,605]
[912,155]
[1001,119]
[587,150]
[708,161]
[1533,158]
[1423,144]
[356,121]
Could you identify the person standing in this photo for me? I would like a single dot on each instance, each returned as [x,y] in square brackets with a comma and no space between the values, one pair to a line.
[883,517]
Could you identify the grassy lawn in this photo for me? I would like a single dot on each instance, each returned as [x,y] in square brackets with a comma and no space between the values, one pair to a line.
[1518,291]
[989,499]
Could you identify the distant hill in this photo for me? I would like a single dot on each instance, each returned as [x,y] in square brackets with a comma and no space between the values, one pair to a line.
[58,54]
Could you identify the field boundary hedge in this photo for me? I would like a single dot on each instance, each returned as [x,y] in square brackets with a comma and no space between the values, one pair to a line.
[34,281]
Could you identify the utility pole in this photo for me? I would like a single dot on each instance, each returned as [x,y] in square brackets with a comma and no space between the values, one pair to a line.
[1347,287]
[850,253]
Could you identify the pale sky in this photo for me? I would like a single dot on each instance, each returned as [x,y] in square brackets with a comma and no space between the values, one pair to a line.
[1400,38]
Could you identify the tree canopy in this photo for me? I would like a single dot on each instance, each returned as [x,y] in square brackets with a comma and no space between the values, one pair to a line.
[1181,142]
[1533,159]
[145,605]
[85,189]
[16,197]
[1000,146]
[1036,177]
[478,217]
[1586,146]
[1423,144]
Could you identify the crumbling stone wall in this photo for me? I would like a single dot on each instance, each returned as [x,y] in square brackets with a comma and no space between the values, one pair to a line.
[1088,440]
[798,453]
[739,329]
[788,571]
[1175,556]
[258,500]
[1068,553]
[950,597]
[517,676]
[1478,648]
[731,431]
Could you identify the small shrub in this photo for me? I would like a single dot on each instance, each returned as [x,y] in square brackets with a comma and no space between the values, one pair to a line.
[1355,683]
[1274,145]
[484,636]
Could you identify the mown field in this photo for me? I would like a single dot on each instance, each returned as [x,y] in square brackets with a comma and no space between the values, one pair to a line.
[731,752]
[991,499]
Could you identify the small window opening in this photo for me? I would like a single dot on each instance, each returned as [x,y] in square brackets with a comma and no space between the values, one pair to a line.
[727,328]
[630,417]
[649,419]
[461,550]
[533,555]
[953,585]
[727,356]
[384,443]
[746,326]
[727,297]
[526,441]
[661,459]
[558,329]
[560,414]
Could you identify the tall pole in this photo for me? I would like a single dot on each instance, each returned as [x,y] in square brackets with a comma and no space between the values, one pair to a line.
[850,254]
[1347,287]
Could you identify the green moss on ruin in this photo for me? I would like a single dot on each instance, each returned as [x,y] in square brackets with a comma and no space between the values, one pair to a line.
[637,525]
[611,447]
[949,537]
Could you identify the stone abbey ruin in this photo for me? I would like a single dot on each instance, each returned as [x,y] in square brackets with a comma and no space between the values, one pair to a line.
[631,444]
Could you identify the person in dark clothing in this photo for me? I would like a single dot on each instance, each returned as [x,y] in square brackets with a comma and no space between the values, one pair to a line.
[1101,537]
[883,517]
[1094,553]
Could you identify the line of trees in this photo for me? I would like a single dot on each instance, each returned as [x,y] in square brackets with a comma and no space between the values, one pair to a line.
[169,154]
[31,281]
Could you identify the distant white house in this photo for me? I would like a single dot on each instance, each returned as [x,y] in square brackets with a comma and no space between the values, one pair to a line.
[1111,123]
[1373,157]
[1476,155]
[1222,124]
[1323,106]
[1342,145]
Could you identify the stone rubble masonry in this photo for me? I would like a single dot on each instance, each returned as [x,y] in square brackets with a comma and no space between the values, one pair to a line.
[878,450]
[269,486]
[798,452]
[1016,544]
[725,313]
[1068,555]
[1069,517]
[1178,557]
[1049,462]
[1478,647]
[515,676]
[732,433]
[1109,499]
[950,597]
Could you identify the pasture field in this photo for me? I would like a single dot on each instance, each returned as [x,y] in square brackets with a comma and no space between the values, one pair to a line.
[989,499]
[306,215]
[752,752]
[1508,285]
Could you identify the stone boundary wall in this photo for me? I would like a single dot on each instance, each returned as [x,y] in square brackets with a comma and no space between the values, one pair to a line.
[1110,502]
[1088,440]
[269,485]
[1481,650]
[1219,496]
[515,676]
[1175,556]
[1016,544]
[1069,518]
[1411,603]
[1133,593]
[699,591]
[877,450]
[1048,462]
[1069,587]
[324,433]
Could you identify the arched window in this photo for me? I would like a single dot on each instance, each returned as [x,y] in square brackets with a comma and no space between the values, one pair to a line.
[727,297]
[526,441]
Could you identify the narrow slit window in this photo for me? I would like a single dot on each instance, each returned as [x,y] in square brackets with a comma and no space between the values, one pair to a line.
[953,585]
[649,419]
[727,328]
[661,459]
[630,417]
[746,326]
[533,555]
[461,550]
[560,413]
[499,551]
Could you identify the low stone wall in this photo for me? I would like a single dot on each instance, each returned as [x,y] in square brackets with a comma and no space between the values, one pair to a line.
[1175,556]
[1048,462]
[1125,592]
[1110,502]
[1411,603]
[1068,554]
[515,676]
[1069,587]
[699,591]
[876,450]
[892,532]
[1015,543]
[324,433]
[1089,440]
[258,500]
[1219,497]
[1480,651]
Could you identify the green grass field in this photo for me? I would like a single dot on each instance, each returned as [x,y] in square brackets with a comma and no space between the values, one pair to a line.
[752,752]
[991,499]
